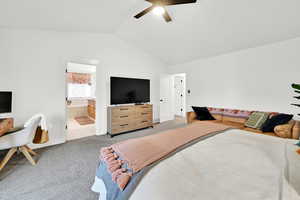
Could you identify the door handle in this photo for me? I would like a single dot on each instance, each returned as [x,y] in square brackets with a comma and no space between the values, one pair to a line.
[161,100]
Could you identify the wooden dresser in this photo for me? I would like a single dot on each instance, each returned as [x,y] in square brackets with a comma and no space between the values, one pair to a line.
[129,118]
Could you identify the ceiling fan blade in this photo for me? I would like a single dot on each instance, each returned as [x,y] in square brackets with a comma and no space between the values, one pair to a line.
[171,2]
[167,16]
[144,12]
[176,2]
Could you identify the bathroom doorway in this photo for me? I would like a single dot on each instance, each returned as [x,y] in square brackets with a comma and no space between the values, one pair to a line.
[80,100]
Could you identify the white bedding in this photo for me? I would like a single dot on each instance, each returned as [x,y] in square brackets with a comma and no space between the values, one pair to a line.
[234,165]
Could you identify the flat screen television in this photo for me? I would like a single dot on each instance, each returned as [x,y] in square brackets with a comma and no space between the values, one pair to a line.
[5,102]
[129,90]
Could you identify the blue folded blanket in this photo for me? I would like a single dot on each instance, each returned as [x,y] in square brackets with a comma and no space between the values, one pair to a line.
[113,190]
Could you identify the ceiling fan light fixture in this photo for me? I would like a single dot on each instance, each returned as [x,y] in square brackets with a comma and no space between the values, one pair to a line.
[158,10]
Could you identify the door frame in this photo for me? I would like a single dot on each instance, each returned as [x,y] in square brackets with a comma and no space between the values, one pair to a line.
[79,65]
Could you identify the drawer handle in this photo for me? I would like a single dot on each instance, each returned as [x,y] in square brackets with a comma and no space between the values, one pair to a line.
[144,113]
[124,116]
[124,125]
[144,121]
[123,108]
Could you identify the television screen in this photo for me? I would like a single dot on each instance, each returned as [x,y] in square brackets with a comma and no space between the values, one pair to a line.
[129,90]
[5,102]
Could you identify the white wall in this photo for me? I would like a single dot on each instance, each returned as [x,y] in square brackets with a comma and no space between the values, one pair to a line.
[33,63]
[254,79]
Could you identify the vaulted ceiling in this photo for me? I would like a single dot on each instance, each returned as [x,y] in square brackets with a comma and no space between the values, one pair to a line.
[204,29]
[66,15]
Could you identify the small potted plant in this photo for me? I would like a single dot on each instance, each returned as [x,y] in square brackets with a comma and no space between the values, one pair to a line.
[297,90]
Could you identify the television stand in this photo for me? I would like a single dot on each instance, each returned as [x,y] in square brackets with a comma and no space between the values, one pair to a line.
[123,119]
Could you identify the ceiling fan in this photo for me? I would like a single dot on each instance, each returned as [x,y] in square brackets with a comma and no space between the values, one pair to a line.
[158,6]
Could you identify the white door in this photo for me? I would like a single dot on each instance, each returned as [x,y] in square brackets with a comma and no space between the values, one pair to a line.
[179,95]
[165,98]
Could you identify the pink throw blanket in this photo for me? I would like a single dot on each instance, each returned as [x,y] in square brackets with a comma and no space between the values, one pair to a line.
[141,152]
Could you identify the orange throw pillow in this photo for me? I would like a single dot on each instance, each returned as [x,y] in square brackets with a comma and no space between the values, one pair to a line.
[298,151]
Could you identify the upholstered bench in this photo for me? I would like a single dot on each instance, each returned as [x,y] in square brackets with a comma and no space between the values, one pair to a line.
[290,130]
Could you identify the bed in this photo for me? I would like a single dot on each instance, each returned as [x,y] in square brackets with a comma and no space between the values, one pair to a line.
[231,165]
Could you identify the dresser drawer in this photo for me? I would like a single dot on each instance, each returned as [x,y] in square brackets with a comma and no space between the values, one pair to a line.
[143,123]
[122,127]
[144,108]
[143,114]
[143,117]
[122,111]
[122,118]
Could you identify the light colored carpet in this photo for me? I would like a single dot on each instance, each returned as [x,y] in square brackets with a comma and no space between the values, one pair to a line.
[63,172]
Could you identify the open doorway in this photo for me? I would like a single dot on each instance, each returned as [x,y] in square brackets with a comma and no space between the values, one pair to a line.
[80,100]
[173,97]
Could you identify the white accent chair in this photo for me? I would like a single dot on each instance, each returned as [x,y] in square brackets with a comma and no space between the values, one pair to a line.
[18,141]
